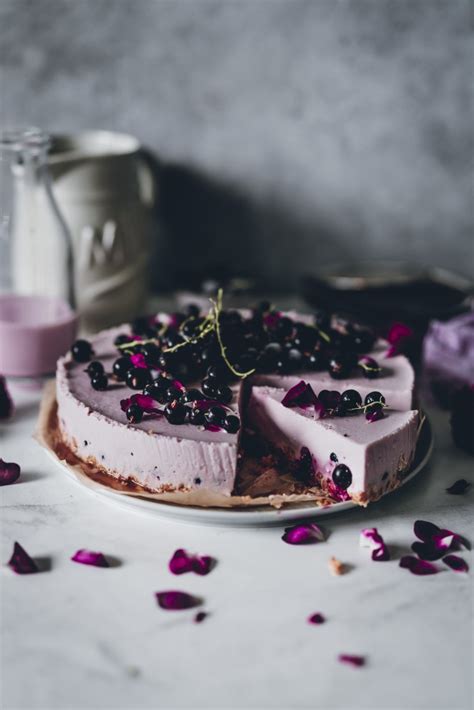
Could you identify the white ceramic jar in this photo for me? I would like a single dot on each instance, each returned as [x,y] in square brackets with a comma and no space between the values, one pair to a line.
[106,192]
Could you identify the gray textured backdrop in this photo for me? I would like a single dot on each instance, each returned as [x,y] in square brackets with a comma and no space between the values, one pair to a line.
[296,132]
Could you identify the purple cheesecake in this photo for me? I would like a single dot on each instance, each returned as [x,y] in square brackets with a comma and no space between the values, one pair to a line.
[100,422]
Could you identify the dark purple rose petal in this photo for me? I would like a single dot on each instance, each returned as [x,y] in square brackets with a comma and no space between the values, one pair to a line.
[456,563]
[303,534]
[6,402]
[20,561]
[356,661]
[381,554]
[178,384]
[271,318]
[144,401]
[138,360]
[425,530]
[300,395]
[375,416]
[427,551]
[316,619]
[181,562]
[200,616]
[175,601]
[416,566]
[9,473]
[86,557]
[459,487]
[398,336]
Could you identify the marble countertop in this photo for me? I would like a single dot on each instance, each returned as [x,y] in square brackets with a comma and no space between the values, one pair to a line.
[77,637]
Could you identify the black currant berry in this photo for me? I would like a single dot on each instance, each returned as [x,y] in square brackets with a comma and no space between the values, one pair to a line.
[339,367]
[196,417]
[224,394]
[192,310]
[374,400]
[137,378]
[333,457]
[209,388]
[232,424]
[191,396]
[134,414]
[172,393]
[218,373]
[215,415]
[100,382]
[94,368]
[351,399]
[176,413]
[122,339]
[342,476]
[82,351]
[121,366]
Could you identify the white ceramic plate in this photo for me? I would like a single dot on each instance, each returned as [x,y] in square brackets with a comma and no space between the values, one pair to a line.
[264,515]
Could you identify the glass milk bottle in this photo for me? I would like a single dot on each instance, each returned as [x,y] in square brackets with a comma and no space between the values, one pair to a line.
[36,260]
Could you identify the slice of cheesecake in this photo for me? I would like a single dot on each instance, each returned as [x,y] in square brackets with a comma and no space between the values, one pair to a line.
[353,457]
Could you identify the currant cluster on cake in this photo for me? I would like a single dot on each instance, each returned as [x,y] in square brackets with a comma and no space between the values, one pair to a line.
[165,358]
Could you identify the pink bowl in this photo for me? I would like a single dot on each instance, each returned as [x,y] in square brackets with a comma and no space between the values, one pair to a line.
[34,332]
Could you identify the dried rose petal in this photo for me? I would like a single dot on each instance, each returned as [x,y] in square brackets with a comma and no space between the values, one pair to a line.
[375,415]
[456,563]
[398,336]
[6,402]
[9,473]
[181,562]
[271,318]
[200,616]
[370,537]
[178,384]
[144,401]
[459,487]
[316,619]
[427,551]
[304,534]
[138,360]
[300,395]
[20,561]
[175,601]
[86,557]
[425,530]
[339,494]
[351,660]
[416,566]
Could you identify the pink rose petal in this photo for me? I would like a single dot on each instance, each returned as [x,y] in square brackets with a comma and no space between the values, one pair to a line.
[6,402]
[457,564]
[20,561]
[370,537]
[416,566]
[181,562]
[316,619]
[398,336]
[9,473]
[459,487]
[144,401]
[138,360]
[175,601]
[304,534]
[351,660]
[87,557]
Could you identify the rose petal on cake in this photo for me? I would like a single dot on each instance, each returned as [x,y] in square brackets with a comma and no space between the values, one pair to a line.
[457,564]
[416,566]
[351,660]
[182,562]
[178,384]
[138,360]
[397,336]
[20,561]
[375,416]
[87,557]
[319,410]
[271,318]
[144,401]
[459,487]
[305,534]
[9,473]
[300,395]
[174,600]
[316,619]
[6,402]
[425,530]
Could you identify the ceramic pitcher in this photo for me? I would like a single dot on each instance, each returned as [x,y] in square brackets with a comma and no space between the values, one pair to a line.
[106,191]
